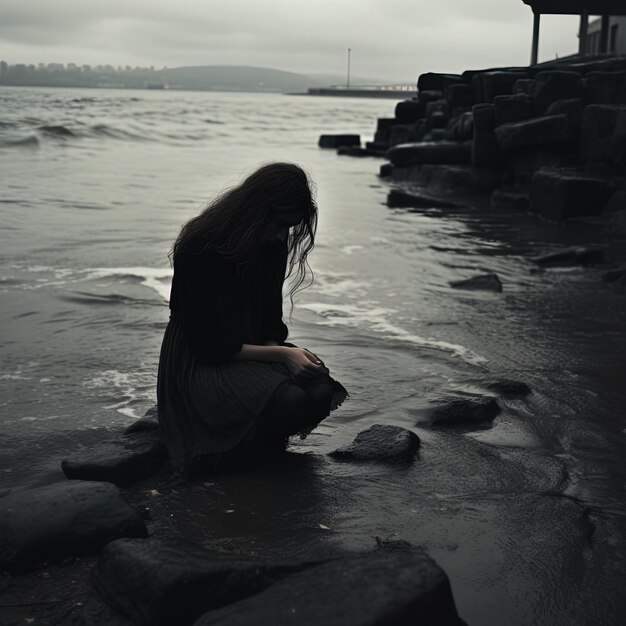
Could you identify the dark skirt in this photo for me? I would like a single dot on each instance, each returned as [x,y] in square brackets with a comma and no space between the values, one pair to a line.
[208,410]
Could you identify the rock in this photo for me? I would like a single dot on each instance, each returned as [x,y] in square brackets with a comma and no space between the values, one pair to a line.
[525,163]
[378,147]
[485,149]
[466,411]
[429,95]
[509,199]
[154,583]
[459,95]
[615,213]
[508,388]
[438,119]
[606,87]
[399,134]
[522,86]
[386,170]
[541,131]
[482,282]
[447,152]
[553,85]
[512,108]
[488,85]
[150,421]
[604,134]
[122,461]
[380,443]
[382,136]
[572,108]
[450,178]
[356,151]
[391,586]
[335,141]
[65,519]
[403,199]
[385,123]
[432,81]
[461,128]
[616,276]
[574,255]
[409,111]
[560,194]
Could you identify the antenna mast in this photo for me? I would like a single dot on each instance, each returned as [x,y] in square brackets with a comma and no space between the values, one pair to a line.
[348,77]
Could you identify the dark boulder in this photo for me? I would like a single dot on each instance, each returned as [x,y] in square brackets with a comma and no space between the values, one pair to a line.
[553,85]
[397,584]
[122,461]
[385,123]
[432,81]
[509,199]
[65,519]
[560,194]
[380,443]
[155,583]
[403,199]
[335,141]
[399,134]
[572,108]
[615,276]
[485,149]
[606,87]
[488,85]
[525,163]
[482,282]
[461,128]
[459,96]
[540,131]
[150,421]
[429,96]
[450,178]
[357,151]
[386,170]
[604,134]
[465,411]
[574,255]
[408,111]
[522,86]
[512,108]
[446,152]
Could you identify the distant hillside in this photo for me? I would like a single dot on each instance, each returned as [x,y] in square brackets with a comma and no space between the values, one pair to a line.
[235,78]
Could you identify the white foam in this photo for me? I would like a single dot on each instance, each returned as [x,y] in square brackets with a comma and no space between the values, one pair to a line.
[157,279]
[376,319]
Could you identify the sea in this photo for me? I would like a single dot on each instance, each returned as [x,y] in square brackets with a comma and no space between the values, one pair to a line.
[527,516]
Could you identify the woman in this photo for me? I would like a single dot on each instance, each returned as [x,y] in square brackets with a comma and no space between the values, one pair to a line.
[229,386]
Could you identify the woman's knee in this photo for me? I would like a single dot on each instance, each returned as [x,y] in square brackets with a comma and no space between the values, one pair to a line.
[320,397]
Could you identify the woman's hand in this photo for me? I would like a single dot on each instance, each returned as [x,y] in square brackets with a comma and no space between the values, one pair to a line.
[301,362]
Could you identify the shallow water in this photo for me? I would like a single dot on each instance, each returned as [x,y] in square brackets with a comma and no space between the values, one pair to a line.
[527,517]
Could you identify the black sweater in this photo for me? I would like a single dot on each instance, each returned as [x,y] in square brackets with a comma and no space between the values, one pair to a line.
[220,308]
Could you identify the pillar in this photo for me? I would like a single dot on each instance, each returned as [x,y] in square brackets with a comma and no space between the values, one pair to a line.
[535,51]
[604,35]
[582,33]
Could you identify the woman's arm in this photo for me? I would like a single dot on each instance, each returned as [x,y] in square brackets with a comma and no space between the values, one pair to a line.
[299,361]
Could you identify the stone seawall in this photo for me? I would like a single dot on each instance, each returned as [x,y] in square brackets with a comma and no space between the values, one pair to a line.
[549,138]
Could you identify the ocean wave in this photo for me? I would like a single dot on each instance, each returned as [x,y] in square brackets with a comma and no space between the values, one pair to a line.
[56,130]
[117,133]
[30,141]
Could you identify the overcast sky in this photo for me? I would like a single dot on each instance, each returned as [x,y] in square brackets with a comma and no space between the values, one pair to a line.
[390,39]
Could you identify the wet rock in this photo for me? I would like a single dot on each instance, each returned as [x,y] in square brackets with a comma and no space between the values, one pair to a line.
[482,282]
[539,131]
[150,421]
[335,141]
[508,199]
[614,213]
[606,87]
[122,461]
[69,518]
[461,128]
[466,411]
[508,388]
[522,86]
[154,583]
[429,95]
[399,134]
[553,85]
[386,170]
[380,443]
[559,194]
[433,81]
[488,85]
[604,134]
[459,96]
[572,108]
[444,152]
[616,276]
[409,111]
[526,163]
[385,123]
[450,178]
[512,108]
[485,149]
[403,199]
[574,255]
[356,151]
[399,585]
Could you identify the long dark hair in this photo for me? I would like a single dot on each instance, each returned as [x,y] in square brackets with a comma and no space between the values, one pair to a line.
[230,224]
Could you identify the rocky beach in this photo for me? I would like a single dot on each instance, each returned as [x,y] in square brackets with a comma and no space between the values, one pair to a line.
[470,294]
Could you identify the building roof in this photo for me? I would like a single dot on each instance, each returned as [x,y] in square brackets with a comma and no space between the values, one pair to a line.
[576,7]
